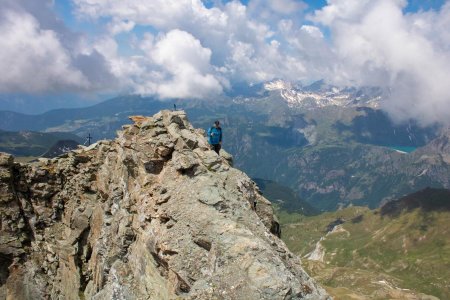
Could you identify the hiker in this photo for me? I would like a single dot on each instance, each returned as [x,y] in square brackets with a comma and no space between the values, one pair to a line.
[215,136]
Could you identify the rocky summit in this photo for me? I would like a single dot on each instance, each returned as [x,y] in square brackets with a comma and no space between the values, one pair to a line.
[153,214]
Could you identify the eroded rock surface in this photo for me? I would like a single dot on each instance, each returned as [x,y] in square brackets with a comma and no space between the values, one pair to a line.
[154,214]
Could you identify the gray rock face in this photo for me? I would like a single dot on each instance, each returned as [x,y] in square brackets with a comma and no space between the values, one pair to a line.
[154,214]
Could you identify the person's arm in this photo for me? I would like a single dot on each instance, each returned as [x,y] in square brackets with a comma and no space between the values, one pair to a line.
[220,136]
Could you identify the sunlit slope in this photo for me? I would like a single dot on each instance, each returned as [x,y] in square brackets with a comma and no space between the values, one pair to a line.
[378,254]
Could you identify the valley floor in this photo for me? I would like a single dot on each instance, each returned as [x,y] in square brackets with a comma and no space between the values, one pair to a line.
[357,253]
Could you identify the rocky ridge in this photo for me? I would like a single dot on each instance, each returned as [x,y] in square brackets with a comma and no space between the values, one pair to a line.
[154,214]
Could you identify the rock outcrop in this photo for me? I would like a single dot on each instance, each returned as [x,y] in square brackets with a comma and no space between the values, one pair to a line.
[154,214]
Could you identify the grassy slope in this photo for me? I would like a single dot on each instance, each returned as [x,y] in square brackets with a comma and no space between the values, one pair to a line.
[371,253]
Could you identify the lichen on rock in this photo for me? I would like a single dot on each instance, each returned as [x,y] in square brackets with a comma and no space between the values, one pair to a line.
[154,214]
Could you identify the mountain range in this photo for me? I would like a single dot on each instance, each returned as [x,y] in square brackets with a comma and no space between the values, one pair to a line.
[32,143]
[333,147]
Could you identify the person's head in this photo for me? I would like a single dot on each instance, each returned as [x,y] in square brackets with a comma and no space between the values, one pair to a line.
[217,123]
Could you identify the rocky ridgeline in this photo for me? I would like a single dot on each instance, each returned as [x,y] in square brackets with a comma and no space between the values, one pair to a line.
[154,214]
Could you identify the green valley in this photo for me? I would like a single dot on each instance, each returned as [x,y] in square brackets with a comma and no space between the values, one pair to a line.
[400,251]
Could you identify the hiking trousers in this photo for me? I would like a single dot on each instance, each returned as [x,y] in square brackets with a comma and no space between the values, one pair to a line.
[216,147]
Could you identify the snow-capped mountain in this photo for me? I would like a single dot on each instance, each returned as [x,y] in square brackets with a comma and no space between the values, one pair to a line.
[320,94]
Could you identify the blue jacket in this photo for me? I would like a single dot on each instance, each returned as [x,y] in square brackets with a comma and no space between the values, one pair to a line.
[214,135]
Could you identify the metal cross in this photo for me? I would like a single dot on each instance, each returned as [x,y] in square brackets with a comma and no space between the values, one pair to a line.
[89,138]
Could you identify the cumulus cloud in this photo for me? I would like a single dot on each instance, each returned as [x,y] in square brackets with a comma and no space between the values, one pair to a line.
[32,59]
[185,65]
[38,54]
[163,14]
[375,43]
[185,60]
[243,47]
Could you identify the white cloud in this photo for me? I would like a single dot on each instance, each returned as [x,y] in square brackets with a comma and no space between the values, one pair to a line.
[174,65]
[42,55]
[179,49]
[163,14]
[32,59]
[376,44]
[241,47]
[187,65]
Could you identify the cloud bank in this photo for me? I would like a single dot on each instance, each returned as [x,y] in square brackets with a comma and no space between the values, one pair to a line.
[187,49]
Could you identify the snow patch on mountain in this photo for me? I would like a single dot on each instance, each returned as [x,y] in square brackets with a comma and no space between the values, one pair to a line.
[320,95]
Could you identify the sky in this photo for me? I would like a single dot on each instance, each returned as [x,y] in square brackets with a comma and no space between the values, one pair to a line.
[187,49]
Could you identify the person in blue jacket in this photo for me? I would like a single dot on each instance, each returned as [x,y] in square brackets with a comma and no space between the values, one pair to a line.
[215,136]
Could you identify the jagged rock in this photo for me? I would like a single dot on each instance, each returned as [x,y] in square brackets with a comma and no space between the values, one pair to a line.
[184,160]
[154,214]
[228,157]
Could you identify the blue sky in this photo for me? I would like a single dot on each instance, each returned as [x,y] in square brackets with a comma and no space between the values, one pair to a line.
[92,49]
[416,5]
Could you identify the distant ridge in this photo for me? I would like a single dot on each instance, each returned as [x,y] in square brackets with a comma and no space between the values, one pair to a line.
[61,147]
[429,199]
[13,121]
[31,143]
